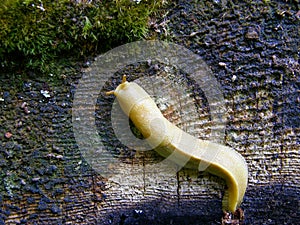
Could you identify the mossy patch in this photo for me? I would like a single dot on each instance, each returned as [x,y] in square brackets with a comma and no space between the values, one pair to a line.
[35,34]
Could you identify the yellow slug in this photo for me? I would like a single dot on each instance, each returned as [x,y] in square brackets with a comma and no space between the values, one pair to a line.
[168,139]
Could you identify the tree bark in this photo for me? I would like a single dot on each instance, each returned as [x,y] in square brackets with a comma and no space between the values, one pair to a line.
[253,51]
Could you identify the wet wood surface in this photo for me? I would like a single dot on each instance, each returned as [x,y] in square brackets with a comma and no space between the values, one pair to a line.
[252,49]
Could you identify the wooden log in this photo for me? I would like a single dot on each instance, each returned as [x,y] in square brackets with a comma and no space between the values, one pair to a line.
[252,49]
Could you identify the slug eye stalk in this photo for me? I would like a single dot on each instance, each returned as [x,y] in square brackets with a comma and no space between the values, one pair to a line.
[225,163]
[124,79]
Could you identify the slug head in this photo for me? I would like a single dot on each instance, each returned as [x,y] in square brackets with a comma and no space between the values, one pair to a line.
[129,94]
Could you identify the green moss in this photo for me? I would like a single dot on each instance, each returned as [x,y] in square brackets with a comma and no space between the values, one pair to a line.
[35,33]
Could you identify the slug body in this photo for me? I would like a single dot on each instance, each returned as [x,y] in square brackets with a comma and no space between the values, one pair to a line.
[187,150]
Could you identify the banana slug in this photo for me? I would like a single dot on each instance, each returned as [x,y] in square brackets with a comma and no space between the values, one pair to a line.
[187,150]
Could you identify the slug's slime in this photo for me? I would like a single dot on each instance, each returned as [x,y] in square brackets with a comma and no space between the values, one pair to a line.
[184,149]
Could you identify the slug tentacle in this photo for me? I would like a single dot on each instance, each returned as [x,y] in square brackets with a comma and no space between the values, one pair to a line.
[123,79]
[185,149]
[110,92]
[113,92]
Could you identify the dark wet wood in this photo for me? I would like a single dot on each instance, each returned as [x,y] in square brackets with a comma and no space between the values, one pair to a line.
[252,50]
